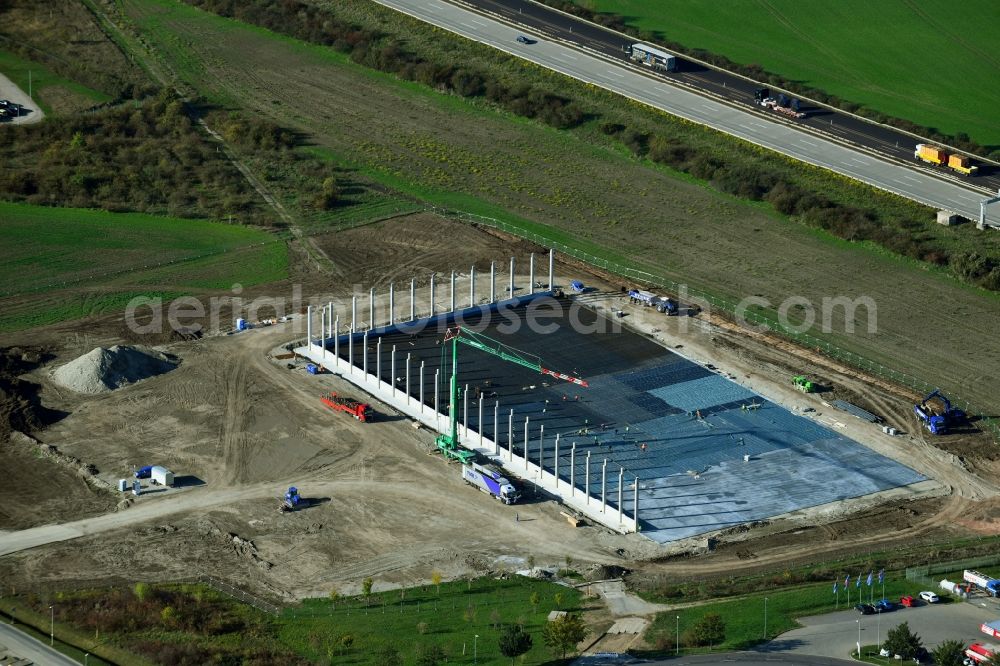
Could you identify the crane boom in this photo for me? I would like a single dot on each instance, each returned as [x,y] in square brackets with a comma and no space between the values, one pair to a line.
[448,444]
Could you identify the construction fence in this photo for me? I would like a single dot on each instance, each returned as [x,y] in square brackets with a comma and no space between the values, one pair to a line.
[985,421]
[930,574]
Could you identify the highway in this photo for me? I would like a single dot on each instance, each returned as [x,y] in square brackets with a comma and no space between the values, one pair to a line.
[740,119]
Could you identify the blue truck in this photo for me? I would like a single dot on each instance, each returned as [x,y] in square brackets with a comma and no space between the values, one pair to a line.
[490,480]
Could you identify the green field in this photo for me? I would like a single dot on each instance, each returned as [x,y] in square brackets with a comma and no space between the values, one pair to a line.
[204,626]
[65,263]
[17,70]
[935,63]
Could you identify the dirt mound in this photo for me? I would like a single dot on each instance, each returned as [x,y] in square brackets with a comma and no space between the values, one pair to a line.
[106,369]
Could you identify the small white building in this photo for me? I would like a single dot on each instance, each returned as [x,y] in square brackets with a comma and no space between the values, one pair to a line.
[162,476]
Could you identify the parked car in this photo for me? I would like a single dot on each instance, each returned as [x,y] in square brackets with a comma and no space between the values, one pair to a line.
[865,609]
[907,601]
[930,597]
[884,605]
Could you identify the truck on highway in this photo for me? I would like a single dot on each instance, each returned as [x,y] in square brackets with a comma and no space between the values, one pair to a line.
[653,57]
[490,480]
[988,584]
[938,156]
[783,104]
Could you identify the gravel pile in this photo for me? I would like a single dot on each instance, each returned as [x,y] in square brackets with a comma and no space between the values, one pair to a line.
[105,369]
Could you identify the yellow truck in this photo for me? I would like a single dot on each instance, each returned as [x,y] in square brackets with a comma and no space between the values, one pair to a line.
[940,157]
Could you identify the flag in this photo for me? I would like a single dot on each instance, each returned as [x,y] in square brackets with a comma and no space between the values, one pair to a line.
[835,587]
[857,583]
[847,580]
[881,576]
[869,581]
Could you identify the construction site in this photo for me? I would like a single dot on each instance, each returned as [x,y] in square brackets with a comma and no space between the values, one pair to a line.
[611,432]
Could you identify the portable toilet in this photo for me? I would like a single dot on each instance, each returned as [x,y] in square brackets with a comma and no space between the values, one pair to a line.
[122,485]
[162,476]
[241,324]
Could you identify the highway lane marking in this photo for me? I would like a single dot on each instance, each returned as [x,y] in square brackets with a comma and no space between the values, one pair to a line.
[614,73]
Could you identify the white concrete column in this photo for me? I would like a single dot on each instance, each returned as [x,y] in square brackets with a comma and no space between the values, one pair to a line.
[371,308]
[432,294]
[329,319]
[635,505]
[510,436]
[422,363]
[336,342]
[621,482]
[587,483]
[309,328]
[479,425]
[604,486]
[496,428]
[354,313]
[350,352]
[511,287]
[408,356]
[378,359]
[531,273]
[465,412]
[552,269]
[322,331]
[437,393]
[472,286]
[392,303]
[364,362]
[555,468]
[452,291]
[493,281]
[527,443]
[572,471]
[392,370]
[541,449]
[413,299]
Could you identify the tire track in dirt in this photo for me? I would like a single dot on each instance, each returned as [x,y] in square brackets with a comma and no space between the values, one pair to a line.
[232,436]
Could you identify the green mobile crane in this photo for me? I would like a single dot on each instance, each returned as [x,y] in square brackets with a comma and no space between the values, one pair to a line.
[448,444]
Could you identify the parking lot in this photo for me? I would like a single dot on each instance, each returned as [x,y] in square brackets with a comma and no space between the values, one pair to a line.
[835,634]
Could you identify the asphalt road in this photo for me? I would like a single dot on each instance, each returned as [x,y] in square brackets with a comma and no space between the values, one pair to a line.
[741,121]
[835,634]
[24,646]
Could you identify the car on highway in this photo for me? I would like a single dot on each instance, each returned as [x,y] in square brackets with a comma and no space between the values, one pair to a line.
[907,601]
[930,597]
[865,609]
[521,39]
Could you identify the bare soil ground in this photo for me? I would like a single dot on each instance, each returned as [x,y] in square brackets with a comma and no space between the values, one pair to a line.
[238,427]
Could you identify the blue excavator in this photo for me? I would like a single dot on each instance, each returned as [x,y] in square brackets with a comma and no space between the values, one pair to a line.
[938,421]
